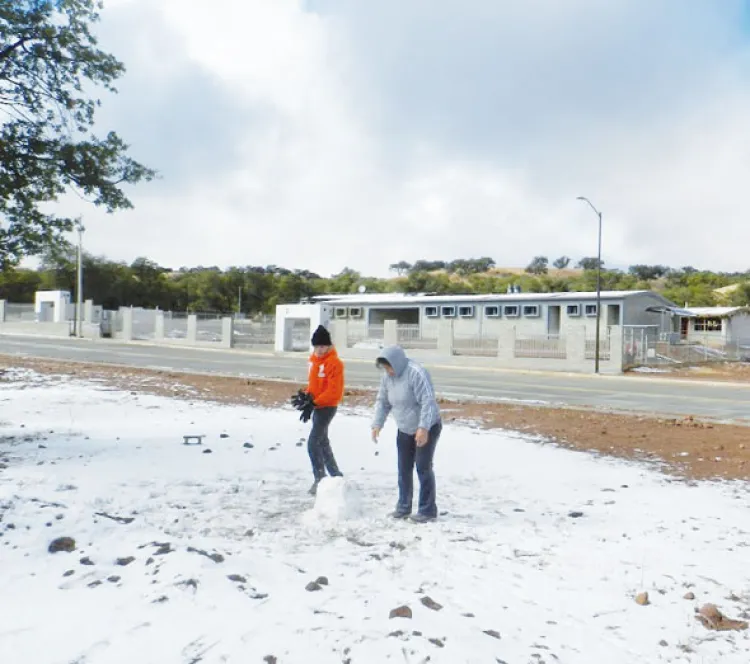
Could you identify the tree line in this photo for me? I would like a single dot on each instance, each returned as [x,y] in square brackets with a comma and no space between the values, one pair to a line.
[253,290]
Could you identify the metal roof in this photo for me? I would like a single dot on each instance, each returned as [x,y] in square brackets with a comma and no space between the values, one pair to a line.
[717,312]
[424,298]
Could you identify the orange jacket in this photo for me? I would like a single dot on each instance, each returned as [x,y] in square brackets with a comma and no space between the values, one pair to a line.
[325,380]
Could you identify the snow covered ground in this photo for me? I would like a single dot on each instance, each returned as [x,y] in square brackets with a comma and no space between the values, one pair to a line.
[184,556]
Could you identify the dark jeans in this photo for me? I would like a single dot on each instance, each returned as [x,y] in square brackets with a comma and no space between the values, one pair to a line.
[409,455]
[319,446]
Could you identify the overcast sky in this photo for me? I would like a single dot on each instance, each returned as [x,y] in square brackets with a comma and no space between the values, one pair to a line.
[321,134]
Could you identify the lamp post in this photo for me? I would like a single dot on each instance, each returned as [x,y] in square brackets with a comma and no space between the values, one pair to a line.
[598,282]
[79,285]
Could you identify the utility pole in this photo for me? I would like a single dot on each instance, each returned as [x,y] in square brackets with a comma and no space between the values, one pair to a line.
[79,287]
[239,302]
[598,283]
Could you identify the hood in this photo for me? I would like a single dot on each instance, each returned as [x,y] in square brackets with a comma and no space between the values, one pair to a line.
[396,357]
[331,353]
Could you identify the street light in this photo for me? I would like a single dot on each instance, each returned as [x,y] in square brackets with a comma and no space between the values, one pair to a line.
[79,284]
[598,282]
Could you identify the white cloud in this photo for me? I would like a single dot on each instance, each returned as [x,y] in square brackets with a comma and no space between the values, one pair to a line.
[359,133]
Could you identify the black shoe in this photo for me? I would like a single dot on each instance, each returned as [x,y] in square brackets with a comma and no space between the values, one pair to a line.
[314,488]
[422,518]
[400,514]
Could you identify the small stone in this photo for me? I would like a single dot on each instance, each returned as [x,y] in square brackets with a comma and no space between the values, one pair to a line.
[70,572]
[160,600]
[468,615]
[149,560]
[430,603]
[493,633]
[42,447]
[207,451]
[270,659]
[322,580]
[400,612]
[642,599]
[113,579]
[66,544]
[237,578]
[313,586]
[86,561]
[663,643]
[249,533]
[248,445]
[94,584]
[575,515]
[223,435]
[689,595]
[123,562]
[437,642]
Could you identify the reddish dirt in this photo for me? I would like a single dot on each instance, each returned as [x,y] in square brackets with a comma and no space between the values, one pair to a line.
[684,447]
[738,372]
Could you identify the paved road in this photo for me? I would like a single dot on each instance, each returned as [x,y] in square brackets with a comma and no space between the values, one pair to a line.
[646,395]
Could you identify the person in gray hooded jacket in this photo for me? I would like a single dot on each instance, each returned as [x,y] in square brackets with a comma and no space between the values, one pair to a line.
[406,391]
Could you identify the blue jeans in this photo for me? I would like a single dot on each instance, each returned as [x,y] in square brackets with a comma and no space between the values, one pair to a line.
[410,455]
[319,446]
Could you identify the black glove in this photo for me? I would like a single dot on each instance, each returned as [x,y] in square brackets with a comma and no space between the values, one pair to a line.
[307,409]
[299,400]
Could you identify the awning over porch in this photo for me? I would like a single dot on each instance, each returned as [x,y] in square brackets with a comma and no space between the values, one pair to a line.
[672,311]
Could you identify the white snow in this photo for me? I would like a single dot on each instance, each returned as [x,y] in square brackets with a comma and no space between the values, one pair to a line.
[337,500]
[506,557]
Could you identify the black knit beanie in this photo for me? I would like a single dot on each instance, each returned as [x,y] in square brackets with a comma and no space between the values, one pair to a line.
[321,337]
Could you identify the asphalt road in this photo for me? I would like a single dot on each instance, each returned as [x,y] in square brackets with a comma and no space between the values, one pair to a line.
[722,402]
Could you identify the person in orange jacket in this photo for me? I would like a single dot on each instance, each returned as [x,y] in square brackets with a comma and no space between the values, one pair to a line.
[325,384]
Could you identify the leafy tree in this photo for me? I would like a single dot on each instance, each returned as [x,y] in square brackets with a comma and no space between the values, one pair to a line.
[49,61]
[538,265]
[400,268]
[561,263]
[589,263]
[428,266]
[648,272]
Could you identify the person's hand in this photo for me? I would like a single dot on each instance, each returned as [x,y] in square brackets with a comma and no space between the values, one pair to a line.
[422,437]
[375,434]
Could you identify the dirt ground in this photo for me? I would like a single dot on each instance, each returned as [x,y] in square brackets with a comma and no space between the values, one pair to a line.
[686,447]
[718,371]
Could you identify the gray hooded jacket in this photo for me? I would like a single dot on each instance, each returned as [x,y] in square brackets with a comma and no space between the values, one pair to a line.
[409,394]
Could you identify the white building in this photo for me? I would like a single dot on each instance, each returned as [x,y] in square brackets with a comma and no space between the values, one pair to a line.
[716,326]
[486,315]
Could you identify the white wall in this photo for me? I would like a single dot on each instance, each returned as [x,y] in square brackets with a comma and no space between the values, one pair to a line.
[317,314]
[739,327]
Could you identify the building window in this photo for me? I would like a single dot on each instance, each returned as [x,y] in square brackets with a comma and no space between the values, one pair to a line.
[355,312]
[707,325]
[431,312]
[492,311]
[510,311]
[448,312]
[590,310]
[340,312]
[466,312]
[531,310]
[573,310]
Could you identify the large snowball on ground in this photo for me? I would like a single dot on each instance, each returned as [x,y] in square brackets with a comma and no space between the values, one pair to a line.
[337,499]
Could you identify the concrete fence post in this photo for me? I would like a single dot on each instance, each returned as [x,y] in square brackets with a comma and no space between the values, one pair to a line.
[390,333]
[445,338]
[2,311]
[127,323]
[339,333]
[227,332]
[506,346]
[615,349]
[159,326]
[575,349]
[192,329]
